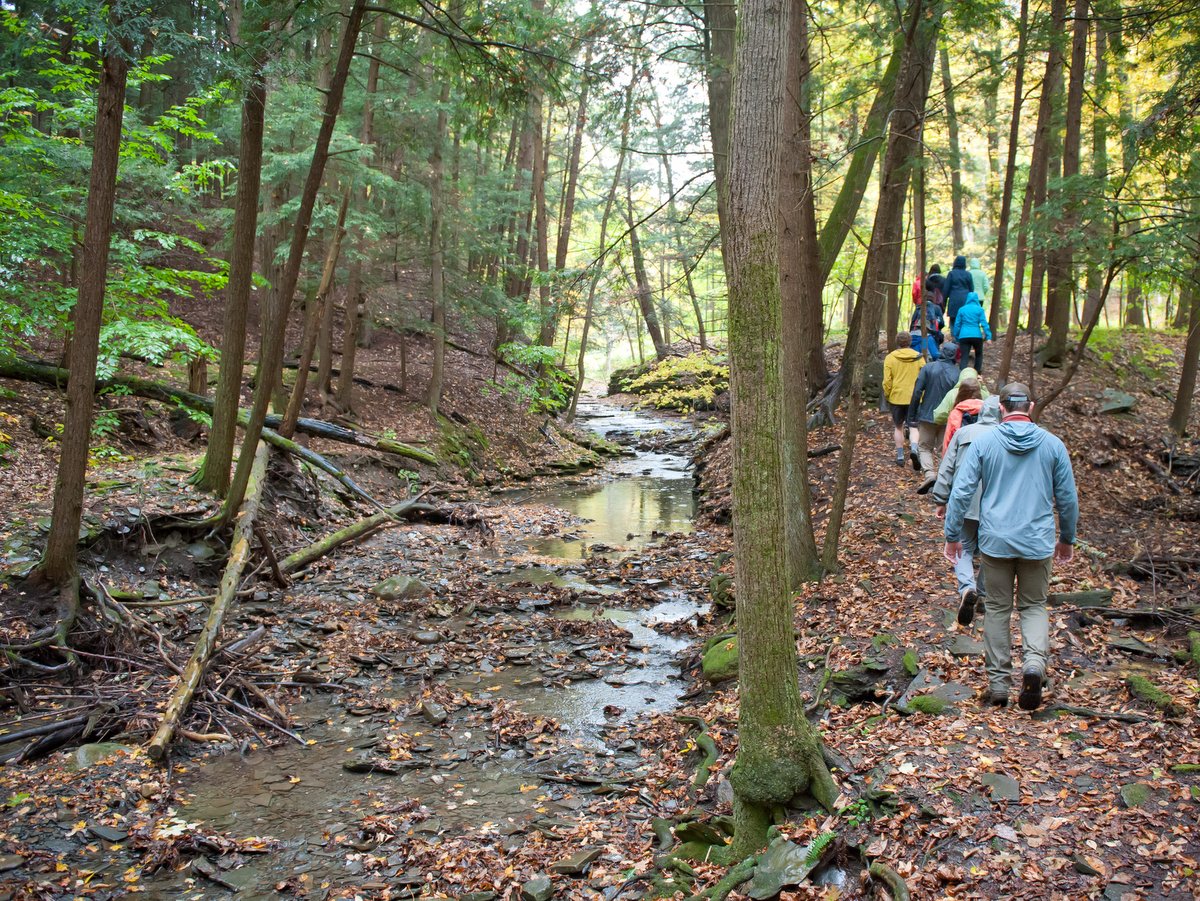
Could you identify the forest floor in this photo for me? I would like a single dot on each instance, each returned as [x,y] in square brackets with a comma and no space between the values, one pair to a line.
[517,714]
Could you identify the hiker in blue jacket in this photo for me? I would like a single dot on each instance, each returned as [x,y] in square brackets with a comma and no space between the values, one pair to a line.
[958,285]
[970,330]
[1025,475]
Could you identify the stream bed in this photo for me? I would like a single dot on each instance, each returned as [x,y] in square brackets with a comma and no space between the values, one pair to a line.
[448,769]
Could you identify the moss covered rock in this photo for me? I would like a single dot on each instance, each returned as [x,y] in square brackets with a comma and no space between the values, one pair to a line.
[720,662]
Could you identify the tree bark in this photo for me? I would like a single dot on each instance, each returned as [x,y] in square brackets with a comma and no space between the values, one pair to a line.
[271,350]
[437,254]
[218,457]
[720,41]
[644,293]
[799,271]
[1099,156]
[58,564]
[956,193]
[883,254]
[314,319]
[1062,284]
[862,165]
[1010,170]
[598,266]
[1190,294]
[779,755]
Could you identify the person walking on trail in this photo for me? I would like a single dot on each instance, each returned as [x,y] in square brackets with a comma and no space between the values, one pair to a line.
[900,370]
[934,290]
[934,323]
[970,330]
[969,587]
[932,384]
[941,413]
[1024,475]
[982,286]
[957,286]
[968,401]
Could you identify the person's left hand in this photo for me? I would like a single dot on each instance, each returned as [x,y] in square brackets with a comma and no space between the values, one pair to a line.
[1064,553]
[953,551]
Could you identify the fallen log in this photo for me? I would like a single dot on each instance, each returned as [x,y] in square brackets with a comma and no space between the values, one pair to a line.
[239,554]
[47,374]
[313,458]
[352,532]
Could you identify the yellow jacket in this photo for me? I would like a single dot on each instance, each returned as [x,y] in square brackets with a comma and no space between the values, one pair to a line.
[900,369]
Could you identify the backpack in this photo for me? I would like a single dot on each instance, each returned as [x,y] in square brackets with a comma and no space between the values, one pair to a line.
[933,296]
[968,419]
[932,315]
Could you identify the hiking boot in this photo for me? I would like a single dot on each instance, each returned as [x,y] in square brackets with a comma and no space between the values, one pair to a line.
[995,698]
[1031,691]
[967,599]
[927,485]
[916,459]
[899,457]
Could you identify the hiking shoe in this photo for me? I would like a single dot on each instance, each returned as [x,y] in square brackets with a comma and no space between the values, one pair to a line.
[966,606]
[1031,691]
[927,485]
[916,459]
[995,698]
[899,457]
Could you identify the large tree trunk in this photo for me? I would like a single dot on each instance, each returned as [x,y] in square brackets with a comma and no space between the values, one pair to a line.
[58,564]
[883,254]
[1010,170]
[1189,294]
[779,755]
[274,322]
[214,471]
[645,295]
[799,271]
[437,254]
[543,132]
[1061,287]
[1099,158]
[956,192]
[567,213]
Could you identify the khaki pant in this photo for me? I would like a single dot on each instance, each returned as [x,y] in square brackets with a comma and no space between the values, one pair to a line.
[929,437]
[1032,582]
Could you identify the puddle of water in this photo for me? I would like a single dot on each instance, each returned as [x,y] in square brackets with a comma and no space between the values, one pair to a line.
[540,575]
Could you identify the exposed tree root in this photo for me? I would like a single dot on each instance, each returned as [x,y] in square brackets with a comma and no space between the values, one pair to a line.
[894,881]
[730,881]
[707,746]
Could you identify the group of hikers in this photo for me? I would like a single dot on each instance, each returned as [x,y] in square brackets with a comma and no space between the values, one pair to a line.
[1000,482]
[955,299]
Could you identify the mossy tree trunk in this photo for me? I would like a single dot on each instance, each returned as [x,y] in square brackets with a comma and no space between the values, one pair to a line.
[779,755]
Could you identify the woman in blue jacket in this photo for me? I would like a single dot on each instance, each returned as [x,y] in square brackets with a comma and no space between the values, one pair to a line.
[970,331]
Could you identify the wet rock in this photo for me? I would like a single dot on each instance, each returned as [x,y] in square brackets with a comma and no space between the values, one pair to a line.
[107,833]
[402,588]
[784,863]
[1004,788]
[964,646]
[435,713]
[720,662]
[10,862]
[199,550]
[702,833]
[477,896]
[577,864]
[1136,794]
[87,756]
[428,637]
[539,888]
[1113,401]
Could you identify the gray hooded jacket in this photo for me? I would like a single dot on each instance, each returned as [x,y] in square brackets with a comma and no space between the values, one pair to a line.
[1025,474]
[933,382]
[989,418]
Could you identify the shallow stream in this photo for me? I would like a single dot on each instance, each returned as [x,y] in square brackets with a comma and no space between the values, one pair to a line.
[459,778]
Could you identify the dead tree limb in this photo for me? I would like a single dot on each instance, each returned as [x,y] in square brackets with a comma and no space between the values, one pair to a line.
[352,532]
[239,554]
